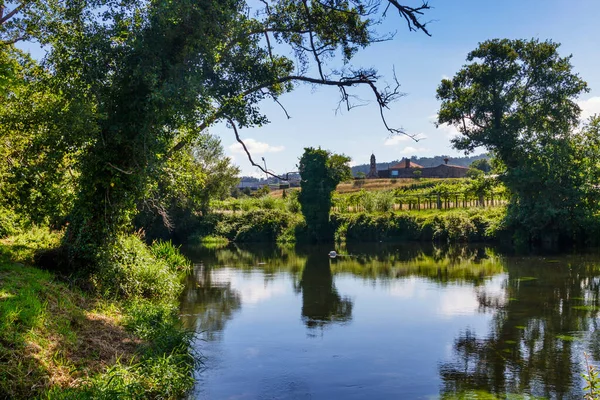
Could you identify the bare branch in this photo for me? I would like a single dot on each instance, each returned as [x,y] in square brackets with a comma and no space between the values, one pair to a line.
[240,141]
[312,42]
[276,100]
[119,169]
[411,14]
[384,97]
[269,47]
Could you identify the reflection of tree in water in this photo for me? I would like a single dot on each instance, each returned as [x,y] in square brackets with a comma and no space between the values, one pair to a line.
[207,305]
[441,264]
[529,349]
[321,303]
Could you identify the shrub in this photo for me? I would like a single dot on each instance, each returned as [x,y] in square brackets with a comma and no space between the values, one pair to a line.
[169,253]
[257,226]
[266,203]
[384,201]
[128,269]
[9,223]
[25,245]
[453,226]
[292,204]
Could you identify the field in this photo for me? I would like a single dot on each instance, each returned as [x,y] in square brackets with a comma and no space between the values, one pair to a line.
[371,185]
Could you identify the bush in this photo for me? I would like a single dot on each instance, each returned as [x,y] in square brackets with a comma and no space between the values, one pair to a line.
[291,202]
[252,226]
[9,223]
[375,228]
[171,255]
[129,269]
[451,226]
[384,201]
[24,246]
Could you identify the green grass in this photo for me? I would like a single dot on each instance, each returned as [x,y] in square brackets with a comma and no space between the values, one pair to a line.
[59,342]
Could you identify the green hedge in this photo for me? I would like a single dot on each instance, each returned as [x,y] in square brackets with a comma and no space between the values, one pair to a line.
[267,226]
[449,226]
[270,226]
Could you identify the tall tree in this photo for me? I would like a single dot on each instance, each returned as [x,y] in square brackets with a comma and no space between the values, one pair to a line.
[158,74]
[482,164]
[320,173]
[40,132]
[517,99]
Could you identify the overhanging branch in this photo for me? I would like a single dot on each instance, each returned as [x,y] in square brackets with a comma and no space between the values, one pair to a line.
[241,142]
[383,98]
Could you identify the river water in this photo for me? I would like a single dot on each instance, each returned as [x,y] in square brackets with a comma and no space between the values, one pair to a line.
[391,322]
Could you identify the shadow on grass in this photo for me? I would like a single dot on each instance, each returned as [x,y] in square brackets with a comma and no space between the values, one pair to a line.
[51,335]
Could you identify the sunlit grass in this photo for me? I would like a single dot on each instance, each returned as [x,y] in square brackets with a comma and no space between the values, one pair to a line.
[58,342]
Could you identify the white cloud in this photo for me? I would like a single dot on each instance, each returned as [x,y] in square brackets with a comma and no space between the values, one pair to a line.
[589,107]
[252,289]
[413,150]
[255,147]
[445,77]
[459,301]
[406,288]
[449,131]
[398,139]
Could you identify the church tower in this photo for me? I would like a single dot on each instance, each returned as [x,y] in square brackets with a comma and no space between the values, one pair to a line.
[373,170]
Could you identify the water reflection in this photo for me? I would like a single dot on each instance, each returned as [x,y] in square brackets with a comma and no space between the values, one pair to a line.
[537,338]
[208,303]
[440,264]
[540,317]
[321,303]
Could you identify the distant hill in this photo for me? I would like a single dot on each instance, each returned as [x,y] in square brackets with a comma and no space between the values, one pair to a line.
[423,161]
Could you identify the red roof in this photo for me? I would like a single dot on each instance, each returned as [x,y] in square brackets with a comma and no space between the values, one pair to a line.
[455,166]
[402,164]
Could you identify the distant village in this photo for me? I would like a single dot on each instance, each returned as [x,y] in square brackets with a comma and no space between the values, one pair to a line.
[409,169]
[425,167]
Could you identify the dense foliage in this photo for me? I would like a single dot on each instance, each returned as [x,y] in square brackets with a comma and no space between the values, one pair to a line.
[127,91]
[517,99]
[320,173]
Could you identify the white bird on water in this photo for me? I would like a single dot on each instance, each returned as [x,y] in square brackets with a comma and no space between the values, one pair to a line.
[332,254]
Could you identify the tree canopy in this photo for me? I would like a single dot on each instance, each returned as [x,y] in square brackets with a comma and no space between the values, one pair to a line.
[142,80]
[320,172]
[517,99]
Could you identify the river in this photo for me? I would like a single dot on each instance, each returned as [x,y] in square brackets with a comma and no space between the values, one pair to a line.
[390,322]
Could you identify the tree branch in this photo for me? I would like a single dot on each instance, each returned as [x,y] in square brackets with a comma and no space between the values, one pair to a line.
[12,13]
[13,40]
[240,141]
[410,14]
[312,42]
[384,98]
[119,169]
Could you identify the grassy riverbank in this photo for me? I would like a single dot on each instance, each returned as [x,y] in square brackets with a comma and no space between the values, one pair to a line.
[121,338]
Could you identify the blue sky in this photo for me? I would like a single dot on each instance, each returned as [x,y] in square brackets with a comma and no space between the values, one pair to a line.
[420,62]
